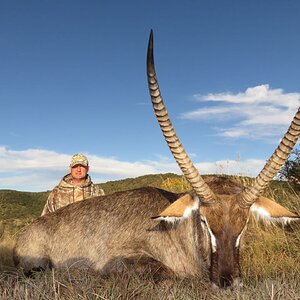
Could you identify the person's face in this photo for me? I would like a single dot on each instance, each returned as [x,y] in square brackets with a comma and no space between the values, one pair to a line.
[79,172]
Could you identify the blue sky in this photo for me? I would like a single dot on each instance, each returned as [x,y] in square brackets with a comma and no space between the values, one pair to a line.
[72,79]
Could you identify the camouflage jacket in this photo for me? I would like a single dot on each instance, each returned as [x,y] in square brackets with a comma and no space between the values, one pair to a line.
[65,193]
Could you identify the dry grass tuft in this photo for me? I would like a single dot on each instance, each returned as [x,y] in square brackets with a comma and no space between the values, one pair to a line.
[176,184]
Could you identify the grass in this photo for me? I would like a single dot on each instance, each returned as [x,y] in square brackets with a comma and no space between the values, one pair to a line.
[65,284]
[270,258]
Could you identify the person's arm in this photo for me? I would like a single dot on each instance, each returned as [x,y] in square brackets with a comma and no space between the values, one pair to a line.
[97,191]
[50,204]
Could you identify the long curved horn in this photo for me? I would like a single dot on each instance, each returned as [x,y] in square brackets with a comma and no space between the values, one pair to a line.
[180,155]
[273,165]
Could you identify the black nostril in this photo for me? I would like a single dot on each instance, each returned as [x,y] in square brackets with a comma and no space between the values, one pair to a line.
[225,282]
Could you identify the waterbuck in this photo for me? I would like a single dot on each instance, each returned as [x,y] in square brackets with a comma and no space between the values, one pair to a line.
[188,233]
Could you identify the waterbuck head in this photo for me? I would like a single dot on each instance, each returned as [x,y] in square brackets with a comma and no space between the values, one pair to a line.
[224,210]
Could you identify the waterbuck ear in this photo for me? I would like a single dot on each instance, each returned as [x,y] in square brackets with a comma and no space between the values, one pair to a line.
[181,209]
[268,210]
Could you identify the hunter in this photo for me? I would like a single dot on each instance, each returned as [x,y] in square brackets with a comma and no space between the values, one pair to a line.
[75,186]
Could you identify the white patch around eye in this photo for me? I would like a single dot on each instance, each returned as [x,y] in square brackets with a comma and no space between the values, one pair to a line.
[167,219]
[213,239]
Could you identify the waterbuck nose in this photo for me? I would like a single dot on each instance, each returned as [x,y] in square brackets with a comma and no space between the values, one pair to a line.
[226,281]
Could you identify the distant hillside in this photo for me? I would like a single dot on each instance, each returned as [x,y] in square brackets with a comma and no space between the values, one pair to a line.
[155,180]
[18,208]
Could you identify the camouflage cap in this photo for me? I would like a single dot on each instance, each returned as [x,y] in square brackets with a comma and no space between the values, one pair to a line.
[79,159]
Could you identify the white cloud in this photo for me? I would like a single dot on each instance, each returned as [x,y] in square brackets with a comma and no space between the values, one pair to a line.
[40,170]
[13,160]
[235,133]
[32,181]
[249,167]
[258,94]
[258,112]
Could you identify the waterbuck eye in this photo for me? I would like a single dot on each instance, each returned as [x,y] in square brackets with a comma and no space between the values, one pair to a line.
[203,220]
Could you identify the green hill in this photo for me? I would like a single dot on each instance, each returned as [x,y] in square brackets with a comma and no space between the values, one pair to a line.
[155,180]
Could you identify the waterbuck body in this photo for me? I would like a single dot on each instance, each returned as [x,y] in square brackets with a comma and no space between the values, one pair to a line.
[186,233]
[101,233]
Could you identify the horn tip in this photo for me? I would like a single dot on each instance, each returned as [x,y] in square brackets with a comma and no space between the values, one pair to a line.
[150,58]
[150,44]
